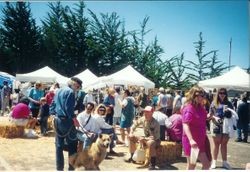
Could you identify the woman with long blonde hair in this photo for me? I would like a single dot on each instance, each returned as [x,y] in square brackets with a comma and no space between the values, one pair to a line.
[194,126]
[105,128]
[220,109]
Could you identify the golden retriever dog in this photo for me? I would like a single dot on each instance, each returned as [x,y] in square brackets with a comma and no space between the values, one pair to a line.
[92,157]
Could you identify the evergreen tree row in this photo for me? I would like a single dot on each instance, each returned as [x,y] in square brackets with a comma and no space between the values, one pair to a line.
[69,42]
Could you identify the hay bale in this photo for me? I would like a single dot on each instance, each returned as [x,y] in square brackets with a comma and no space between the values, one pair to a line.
[11,131]
[166,152]
[51,123]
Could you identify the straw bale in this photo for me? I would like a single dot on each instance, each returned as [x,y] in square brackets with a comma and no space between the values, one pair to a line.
[51,123]
[166,152]
[11,131]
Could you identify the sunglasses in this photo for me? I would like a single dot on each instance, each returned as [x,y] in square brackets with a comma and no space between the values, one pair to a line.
[222,93]
[199,94]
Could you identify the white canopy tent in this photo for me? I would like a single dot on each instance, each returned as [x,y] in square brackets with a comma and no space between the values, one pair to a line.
[126,76]
[235,79]
[87,77]
[45,74]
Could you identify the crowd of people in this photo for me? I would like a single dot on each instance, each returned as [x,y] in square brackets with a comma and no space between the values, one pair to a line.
[183,118]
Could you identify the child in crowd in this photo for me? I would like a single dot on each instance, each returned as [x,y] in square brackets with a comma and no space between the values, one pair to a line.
[44,114]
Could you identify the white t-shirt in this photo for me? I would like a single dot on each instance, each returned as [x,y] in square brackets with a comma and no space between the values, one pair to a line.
[91,126]
[160,117]
[101,122]
[117,108]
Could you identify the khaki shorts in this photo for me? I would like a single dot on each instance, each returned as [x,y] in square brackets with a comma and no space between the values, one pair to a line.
[20,122]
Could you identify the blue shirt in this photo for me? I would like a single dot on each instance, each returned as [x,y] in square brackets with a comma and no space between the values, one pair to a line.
[63,103]
[109,100]
[35,94]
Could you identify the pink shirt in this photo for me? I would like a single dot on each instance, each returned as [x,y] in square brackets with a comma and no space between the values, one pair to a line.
[195,117]
[49,97]
[21,110]
[175,131]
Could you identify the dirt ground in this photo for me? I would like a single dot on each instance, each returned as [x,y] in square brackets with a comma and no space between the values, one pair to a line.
[39,154]
[24,154]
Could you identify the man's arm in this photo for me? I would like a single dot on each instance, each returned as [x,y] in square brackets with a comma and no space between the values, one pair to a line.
[136,124]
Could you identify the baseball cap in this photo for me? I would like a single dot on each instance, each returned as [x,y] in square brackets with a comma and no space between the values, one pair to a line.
[148,109]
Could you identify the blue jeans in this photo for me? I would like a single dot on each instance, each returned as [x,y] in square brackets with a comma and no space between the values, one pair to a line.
[242,127]
[87,141]
[65,133]
[113,138]
[44,124]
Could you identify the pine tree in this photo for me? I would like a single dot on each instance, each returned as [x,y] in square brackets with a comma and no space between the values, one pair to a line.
[109,42]
[21,38]
[216,67]
[53,33]
[199,69]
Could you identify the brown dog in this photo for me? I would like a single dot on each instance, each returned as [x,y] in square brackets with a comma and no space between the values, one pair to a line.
[92,157]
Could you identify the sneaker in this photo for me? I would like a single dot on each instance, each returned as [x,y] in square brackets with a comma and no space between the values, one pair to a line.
[226,165]
[245,140]
[213,165]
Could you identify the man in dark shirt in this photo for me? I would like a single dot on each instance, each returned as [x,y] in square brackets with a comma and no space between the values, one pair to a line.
[242,124]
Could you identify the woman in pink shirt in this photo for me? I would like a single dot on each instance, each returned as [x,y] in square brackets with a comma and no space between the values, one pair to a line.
[175,129]
[194,126]
[20,114]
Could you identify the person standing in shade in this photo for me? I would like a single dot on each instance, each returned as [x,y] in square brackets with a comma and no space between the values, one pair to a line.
[128,114]
[109,102]
[65,121]
[242,124]
[142,98]
[88,98]
[35,95]
[5,97]
[117,108]
[44,114]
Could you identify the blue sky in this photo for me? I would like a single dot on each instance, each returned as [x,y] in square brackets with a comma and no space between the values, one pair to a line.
[177,24]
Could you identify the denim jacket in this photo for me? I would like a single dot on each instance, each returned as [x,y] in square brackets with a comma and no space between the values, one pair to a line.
[63,103]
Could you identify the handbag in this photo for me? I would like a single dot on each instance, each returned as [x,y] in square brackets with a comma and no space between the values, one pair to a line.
[139,154]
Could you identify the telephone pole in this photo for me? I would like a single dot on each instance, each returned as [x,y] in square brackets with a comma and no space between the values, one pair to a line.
[229,58]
